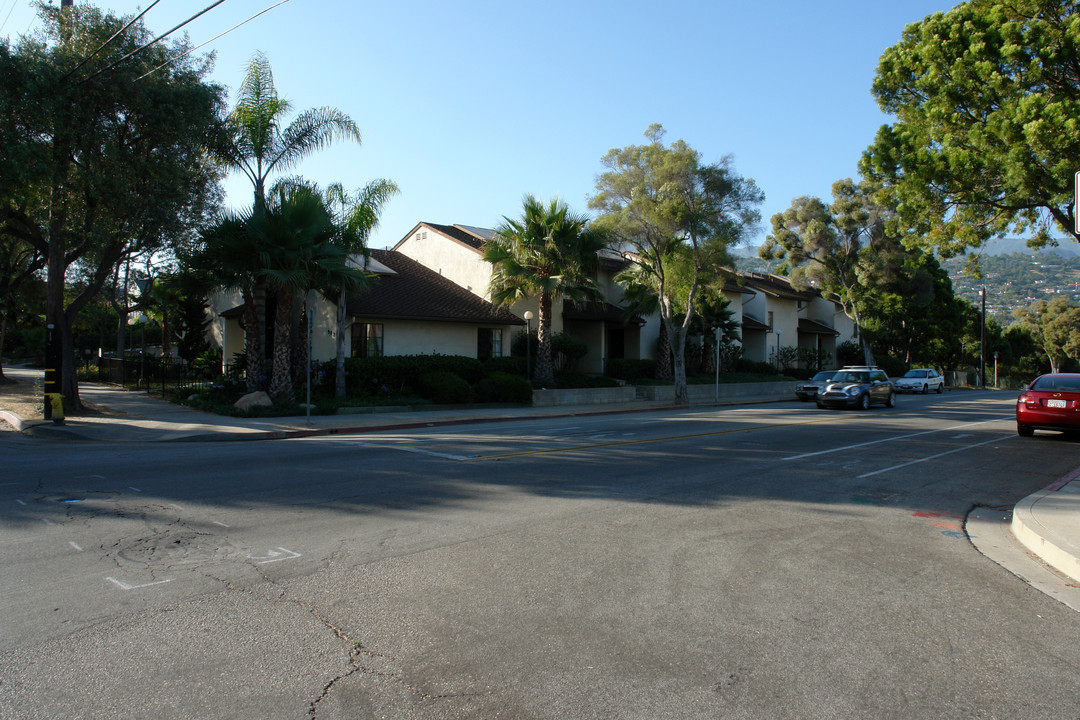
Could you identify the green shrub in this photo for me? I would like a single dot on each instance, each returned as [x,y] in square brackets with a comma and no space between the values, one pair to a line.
[630,371]
[399,375]
[566,350]
[512,388]
[444,387]
[751,366]
[509,365]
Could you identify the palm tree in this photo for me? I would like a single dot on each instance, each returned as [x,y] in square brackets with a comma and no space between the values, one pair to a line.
[257,145]
[230,258]
[547,253]
[355,218]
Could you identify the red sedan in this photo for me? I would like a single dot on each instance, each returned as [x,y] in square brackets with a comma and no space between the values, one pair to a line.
[1051,402]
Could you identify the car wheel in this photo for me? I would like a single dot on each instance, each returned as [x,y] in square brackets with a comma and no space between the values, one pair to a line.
[820,406]
[864,401]
[891,402]
[925,389]
[1024,430]
[940,388]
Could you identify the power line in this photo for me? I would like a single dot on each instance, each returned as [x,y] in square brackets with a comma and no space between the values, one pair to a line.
[191,50]
[13,4]
[107,42]
[152,42]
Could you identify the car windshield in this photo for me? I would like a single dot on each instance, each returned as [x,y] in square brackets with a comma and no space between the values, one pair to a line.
[851,377]
[1067,384]
[822,376]
[915,374]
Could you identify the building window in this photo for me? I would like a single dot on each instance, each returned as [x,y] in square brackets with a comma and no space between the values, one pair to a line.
[488,343]
[770,319]
[367,340]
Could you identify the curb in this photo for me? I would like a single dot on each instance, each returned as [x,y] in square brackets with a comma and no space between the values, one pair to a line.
[1036,537]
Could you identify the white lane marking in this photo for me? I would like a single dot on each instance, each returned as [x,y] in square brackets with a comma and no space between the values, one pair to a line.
[274,556]
[21,502]
[47,521]
[175,506]
[216,522]
[891,439]
[131,487]
[126,586]
[75,546]
[934,457]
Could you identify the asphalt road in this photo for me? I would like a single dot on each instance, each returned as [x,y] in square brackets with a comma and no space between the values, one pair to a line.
[777,561]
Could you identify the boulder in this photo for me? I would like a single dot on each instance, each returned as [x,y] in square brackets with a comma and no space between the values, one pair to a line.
[255,399]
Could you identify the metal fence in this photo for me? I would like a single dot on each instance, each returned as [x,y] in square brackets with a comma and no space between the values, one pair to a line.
[152,374]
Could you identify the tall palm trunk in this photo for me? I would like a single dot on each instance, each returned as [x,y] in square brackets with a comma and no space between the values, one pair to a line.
[281,385]
[339,367]
[545,367]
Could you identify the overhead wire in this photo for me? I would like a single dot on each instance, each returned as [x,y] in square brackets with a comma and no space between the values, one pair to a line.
[8,17]
[156,40]
[105,44]
[191,50]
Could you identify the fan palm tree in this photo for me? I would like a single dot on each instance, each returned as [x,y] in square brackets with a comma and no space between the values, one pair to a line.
[355,218]
[549,252]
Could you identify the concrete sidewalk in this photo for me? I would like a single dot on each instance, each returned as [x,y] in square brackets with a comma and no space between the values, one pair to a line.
[1046,522]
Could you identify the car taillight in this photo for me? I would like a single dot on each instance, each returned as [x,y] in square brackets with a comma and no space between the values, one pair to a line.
[1022,399]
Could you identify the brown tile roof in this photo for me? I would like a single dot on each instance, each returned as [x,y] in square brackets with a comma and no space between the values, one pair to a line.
[418,293]
[777,286]
[458,234]
[813,327]
[588,310]
[749,323]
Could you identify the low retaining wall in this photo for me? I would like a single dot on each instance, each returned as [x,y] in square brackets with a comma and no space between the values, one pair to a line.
[584,396]
[660,393]
[703,393]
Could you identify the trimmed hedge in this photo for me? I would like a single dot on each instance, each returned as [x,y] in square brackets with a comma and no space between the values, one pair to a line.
[445,388]
[630,370]
[400,374]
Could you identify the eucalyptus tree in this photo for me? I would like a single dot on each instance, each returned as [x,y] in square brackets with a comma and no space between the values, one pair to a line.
[547,253]
[355,217]
[663,206]
[823,245]
[1055,325]
[100,160]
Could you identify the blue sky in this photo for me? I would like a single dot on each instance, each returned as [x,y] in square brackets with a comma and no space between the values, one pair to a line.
[468,106]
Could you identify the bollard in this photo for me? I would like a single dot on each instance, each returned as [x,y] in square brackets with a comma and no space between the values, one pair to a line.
[56,402]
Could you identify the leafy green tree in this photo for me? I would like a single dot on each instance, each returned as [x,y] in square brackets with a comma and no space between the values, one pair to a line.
[548,252]
[99,162]
[355,217]
[823,245]
[986,139]
[1055,325]
[663,207]
[20,262]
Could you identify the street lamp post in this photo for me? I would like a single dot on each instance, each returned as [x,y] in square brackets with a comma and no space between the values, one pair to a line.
[716,336]
[777,351]
[982,340]
[528,345]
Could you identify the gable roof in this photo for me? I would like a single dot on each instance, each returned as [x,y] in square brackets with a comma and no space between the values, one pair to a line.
[776,286]
[473,237]
[415,292]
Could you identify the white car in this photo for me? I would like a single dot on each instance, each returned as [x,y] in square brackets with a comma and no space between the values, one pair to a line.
[920,380]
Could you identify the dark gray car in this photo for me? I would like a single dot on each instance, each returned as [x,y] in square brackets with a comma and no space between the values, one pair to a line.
[858,387]
[809,389]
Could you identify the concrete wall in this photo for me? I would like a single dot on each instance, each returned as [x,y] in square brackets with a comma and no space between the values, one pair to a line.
[583,396]
[701,393]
